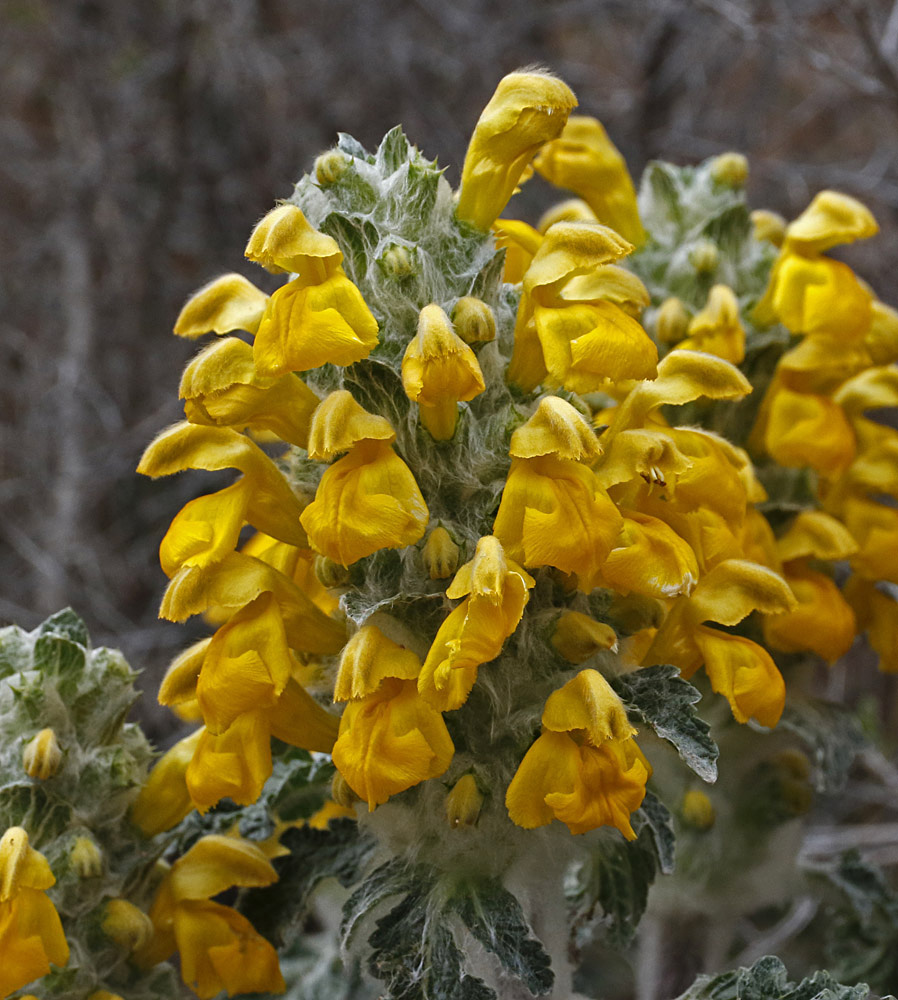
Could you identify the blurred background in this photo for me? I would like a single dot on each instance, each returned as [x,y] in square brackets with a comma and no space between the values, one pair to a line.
[142,139]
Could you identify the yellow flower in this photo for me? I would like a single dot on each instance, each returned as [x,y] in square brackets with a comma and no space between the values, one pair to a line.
[808,430]
[496,591]
[31,935]
[391,740]
[584,160]
[238,579]
[438,371]
[875,529]
[440,554]
[650,558]
[572,210]
[556,428]
[219,949]
[366,501]
[717,329]
[309,325]
[582,785]
[226,304]
[368,659]
[588,702]
[768,226]
[554,513]
[823,622]
[739,669]
[207,528]
[520,242]
[831,218]
[284,242]
[164,800]
[221,387]
[526,111]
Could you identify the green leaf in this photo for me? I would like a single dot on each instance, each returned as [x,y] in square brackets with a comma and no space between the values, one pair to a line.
[347,144]
[661,698]
[768,979]
[861,929]
[356,237]
[488,279]
[391,879]
[65,623]
[610,888]
[495,918]
[339,852]
[57,656]
[833,735]
[15,650]
[393,151]
[414,953]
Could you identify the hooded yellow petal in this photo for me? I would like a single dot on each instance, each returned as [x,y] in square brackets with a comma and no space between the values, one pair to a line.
[584,160]
[340,422]
[390,741]
[556,428]
[441,684]
[309,325]
[814,534]
[368,659]
[588,702]
[650,455]
[553,513]
[735,588]
[366,501]
[221,387]
[164,800]
[821,363]
[284,241]
[744,673]
[570,249]
[226,304]
[608,282]
[823,621]
[808,430]
[650,558]
[875,387]
[490,574]
[831,218]
[527,110]
[875,528]
[571,210]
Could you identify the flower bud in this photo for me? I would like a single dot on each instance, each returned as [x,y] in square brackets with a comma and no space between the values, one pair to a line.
[330,573]
[730,170]
[474,320]
[769,226]
[577,636]
[330,167]
[130,928]
[697,811]
[704,256]
[341,793]
[42,756]
[440,554]
[464,802]
[397,261]
[671,321]
[438,371]
[85,858]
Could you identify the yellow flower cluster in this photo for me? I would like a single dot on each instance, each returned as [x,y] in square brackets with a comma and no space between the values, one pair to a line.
[814,417]
[532,439]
